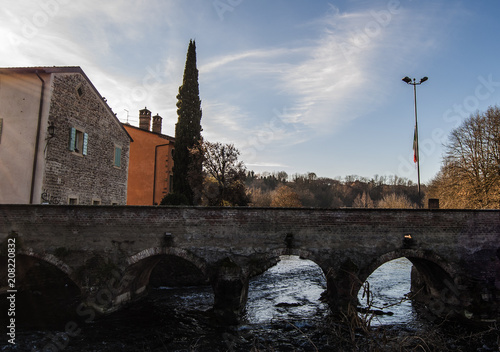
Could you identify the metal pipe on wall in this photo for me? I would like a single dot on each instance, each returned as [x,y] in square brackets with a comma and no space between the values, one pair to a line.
[37,140]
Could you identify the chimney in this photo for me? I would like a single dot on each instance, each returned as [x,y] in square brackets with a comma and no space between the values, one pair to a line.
[157,123]
[144,119]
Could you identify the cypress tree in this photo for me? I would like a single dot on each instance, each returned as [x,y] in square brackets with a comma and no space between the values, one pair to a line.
[187,171]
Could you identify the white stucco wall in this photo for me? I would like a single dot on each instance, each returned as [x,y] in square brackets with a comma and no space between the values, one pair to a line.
[19,109]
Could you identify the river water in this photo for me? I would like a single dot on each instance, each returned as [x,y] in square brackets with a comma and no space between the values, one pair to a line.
[389,286]
[284,313]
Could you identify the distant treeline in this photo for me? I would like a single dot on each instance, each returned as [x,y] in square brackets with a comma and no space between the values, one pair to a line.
[308,190]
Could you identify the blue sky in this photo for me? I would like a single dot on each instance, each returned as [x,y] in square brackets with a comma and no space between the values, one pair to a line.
[296,85]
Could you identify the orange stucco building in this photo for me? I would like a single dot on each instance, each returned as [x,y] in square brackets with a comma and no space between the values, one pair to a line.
[150,162]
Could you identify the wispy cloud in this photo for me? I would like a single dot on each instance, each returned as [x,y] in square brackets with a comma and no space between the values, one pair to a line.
[334,76]
[336,83]
[226,122]
[271,165]
[256,56]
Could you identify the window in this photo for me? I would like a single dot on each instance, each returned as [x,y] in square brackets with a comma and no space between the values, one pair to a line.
[118,157]
[78,141]
[73,201]
[79,91]
[96,201]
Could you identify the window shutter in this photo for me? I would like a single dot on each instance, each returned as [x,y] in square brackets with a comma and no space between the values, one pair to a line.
[72,139]
[118,157]
[85,143]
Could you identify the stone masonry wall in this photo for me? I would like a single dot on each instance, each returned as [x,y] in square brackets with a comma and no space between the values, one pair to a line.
[458,251]
[91,177]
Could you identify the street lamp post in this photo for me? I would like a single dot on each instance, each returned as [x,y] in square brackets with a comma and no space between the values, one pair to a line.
[414,83]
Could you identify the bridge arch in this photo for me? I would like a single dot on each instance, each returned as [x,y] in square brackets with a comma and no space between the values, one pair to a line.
[260,263]
[420,259]
[432,281]
[178,252]
[49,258]
[141,265]
[26,259]
[292,288]
[47,291]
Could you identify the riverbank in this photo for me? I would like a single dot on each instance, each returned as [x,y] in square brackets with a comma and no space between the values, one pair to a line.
[144,328]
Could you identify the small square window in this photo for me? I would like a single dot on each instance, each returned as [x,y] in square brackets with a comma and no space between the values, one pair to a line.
[73,201]
[79,91]
[96,202]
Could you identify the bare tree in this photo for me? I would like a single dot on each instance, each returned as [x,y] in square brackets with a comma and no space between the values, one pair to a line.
[395,201]
[284,196]
[224,174]
[470,175]
[260,198]
[363,201]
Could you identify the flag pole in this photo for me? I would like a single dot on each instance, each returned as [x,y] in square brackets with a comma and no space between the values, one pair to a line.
[414,83]
[416,135]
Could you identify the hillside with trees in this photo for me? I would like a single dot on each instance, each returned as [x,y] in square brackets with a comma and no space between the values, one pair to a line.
[308,190]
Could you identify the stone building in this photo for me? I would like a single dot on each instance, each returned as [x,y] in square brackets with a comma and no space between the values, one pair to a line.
[151,161]
[60,143]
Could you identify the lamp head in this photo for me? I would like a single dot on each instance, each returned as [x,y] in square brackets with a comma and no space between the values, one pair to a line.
[407,79]
[423,79]
[51,130]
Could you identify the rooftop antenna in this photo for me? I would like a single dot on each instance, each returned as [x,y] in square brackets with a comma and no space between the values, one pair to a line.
[127,115]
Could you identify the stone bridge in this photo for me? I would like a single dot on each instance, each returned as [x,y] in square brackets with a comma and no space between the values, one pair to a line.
[107,253]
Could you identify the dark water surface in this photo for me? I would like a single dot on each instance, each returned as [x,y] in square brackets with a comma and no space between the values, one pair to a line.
[284,313]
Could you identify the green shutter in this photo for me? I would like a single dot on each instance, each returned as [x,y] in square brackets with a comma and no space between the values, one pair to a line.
[72,139]
[85,143]
[118,157]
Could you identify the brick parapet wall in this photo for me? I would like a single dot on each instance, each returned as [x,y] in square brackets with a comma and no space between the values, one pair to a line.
[451,234]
